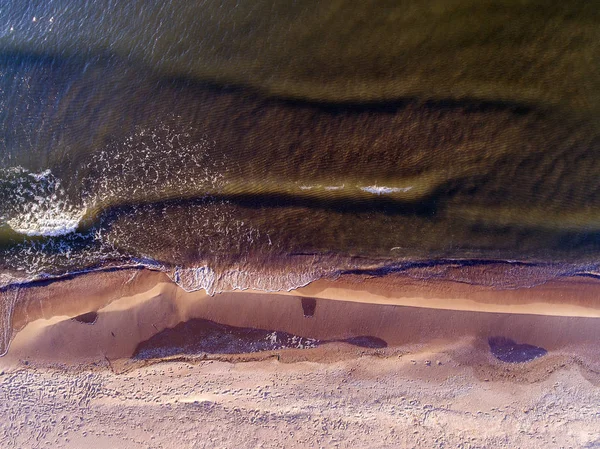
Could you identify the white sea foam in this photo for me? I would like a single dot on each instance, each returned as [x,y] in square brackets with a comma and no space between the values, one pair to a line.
[153,162]
[205,278]
[35,204]
[41,176]
[50,223]
[383,190]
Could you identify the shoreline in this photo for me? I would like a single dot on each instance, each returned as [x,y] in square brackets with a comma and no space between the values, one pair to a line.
[562,297]
[435,380]
[131,306]
[526,273]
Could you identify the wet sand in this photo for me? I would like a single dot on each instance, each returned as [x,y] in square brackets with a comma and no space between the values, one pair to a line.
[301,368]
[108,314]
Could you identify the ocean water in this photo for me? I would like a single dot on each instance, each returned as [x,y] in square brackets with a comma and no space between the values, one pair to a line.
[267,144]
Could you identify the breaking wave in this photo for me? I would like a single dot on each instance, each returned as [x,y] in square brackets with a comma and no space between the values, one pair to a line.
[237,278]
[383,190]
[36,204]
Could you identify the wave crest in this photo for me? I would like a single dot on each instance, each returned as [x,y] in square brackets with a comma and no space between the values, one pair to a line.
[35,204]
[239,278]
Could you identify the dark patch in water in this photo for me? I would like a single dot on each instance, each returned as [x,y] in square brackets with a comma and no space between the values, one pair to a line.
[367,341]
[426,205]
[86,318]
[309,306]
[509,351]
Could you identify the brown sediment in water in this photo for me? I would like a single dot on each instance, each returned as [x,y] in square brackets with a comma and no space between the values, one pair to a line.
[446,189]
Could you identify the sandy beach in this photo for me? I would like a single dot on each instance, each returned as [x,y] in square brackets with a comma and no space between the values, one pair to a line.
[302,224]
[136,304]
[375,371]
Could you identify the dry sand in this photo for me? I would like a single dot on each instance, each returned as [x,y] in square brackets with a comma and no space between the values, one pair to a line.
[75,383]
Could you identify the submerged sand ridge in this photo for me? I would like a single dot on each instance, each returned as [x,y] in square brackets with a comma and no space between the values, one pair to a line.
[339,52]
[179,171]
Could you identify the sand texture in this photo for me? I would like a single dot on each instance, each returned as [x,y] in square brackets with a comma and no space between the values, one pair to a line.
[150,365]
[364,401]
